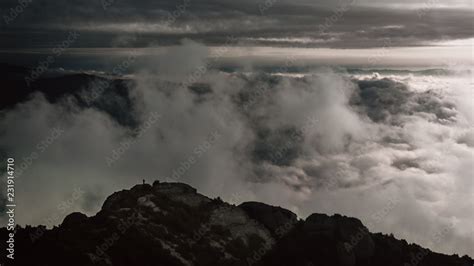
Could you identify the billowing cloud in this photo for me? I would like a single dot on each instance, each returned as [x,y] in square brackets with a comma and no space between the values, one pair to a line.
[394,150]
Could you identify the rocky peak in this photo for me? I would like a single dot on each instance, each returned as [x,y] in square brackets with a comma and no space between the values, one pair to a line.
[276,219]
[172,224]
[73,220]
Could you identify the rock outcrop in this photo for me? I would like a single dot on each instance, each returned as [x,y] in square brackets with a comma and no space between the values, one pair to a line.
[172,224]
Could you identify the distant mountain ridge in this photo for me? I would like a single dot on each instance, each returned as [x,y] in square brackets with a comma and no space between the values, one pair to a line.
[172,224]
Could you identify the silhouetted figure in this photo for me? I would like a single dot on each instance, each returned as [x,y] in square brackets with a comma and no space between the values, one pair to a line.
[143,181]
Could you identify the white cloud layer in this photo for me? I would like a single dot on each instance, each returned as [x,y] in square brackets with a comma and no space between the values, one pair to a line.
[326,142]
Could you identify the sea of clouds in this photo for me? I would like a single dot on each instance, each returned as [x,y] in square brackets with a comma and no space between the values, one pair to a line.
[394,150]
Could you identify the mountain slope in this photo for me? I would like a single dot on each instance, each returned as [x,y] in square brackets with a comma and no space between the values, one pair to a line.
[172,224]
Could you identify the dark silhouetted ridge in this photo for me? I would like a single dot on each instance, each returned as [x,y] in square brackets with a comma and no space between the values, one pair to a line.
[171,224]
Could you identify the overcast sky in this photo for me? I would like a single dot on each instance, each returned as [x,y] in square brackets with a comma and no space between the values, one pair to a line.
[283,23]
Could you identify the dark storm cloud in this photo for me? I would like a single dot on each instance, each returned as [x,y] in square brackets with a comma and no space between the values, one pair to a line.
[344,24]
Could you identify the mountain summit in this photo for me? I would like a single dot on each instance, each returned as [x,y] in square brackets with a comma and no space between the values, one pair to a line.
[171,224]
